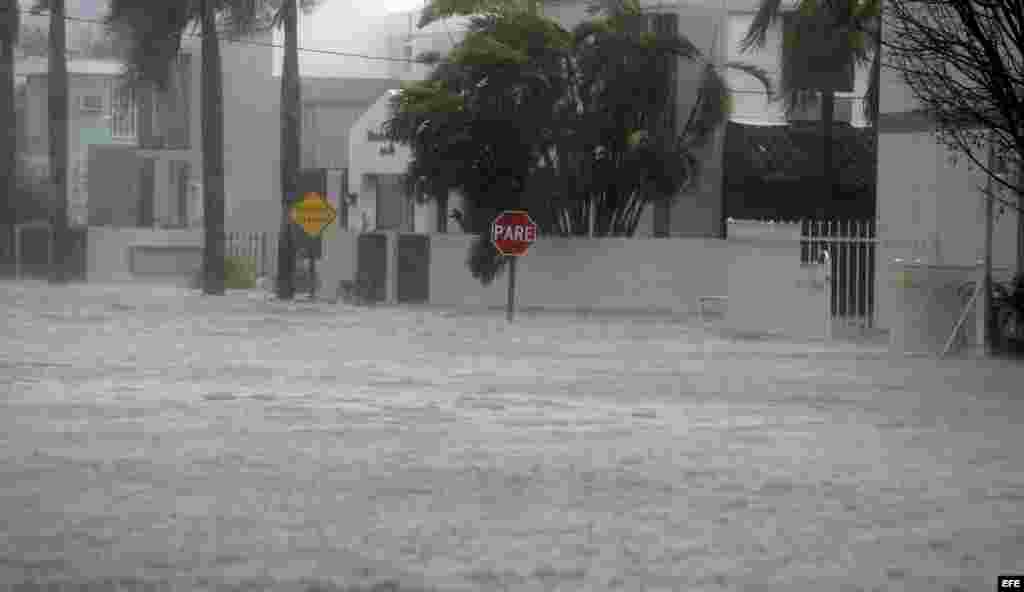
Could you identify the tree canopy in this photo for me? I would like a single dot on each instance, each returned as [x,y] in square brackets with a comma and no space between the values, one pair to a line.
[578,127]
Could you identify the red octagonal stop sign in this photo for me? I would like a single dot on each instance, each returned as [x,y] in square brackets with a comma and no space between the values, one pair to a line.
[512,233]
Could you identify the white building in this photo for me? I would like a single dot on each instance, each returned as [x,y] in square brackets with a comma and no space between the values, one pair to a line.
[750,101]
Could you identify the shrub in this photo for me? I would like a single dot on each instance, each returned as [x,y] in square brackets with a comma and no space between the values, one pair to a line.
[239,273]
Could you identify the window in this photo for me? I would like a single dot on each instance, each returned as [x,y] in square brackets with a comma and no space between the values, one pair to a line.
[408,56]
[123,111]
[90,104]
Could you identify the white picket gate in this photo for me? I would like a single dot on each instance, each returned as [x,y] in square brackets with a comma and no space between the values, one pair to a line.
[850,248]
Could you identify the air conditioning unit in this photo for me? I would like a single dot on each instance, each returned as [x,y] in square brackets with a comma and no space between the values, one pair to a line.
[812,112]
[90,104]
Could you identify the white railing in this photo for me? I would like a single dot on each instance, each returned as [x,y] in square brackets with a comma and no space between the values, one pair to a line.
[849,248]
[123,115]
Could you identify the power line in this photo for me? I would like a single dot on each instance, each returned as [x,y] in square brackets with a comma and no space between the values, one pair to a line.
[251,42]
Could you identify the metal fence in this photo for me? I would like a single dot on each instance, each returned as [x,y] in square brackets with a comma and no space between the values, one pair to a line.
[258,247]
[850,249]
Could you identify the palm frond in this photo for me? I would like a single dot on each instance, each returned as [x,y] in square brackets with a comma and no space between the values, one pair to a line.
[871,95]
[768,13]
[711,109]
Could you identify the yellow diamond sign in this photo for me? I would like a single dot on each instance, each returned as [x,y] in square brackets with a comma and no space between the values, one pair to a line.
[313,213]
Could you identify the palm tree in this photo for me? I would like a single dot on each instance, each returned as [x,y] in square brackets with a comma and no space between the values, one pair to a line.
[575,126]
[10,23]
[291,140]
[152,32]
[57,83]
[845,23]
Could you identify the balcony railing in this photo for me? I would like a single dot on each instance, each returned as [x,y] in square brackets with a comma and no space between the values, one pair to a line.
[123,113]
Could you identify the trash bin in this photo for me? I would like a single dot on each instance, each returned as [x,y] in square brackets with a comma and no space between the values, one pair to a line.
[929,300]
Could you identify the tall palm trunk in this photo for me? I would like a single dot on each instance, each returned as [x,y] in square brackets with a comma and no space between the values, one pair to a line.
[290,149]
[213,155]
[9,21]
[58,135]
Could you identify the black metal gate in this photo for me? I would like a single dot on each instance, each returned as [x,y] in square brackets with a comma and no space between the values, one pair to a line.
[413,268]
[372,266]
[76,254]
[34,251]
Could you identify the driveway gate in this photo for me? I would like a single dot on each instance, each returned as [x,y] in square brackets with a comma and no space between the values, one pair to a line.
[413,268]
[372,266]
[850,248]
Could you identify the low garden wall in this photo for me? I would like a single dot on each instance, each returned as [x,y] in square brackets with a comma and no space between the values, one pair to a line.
[127,254]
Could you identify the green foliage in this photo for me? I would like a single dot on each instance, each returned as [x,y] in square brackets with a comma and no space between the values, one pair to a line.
[239,273]
[526,114]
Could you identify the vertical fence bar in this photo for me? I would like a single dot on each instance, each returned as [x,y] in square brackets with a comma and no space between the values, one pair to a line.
[864,266]
[837,257]
[835,234]
[818,245]
[873,263]
[847,269]
[858,269]
[837,277]
[803,243]
[829,270]
[844,234]
[859,263]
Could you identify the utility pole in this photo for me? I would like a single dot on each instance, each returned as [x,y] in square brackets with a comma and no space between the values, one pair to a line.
[989,320]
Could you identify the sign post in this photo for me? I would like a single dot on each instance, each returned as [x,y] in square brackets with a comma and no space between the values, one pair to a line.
[512,234]
[313,213]
[510,303]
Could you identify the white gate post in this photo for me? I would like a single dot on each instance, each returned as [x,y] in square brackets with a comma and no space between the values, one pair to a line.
[826,262]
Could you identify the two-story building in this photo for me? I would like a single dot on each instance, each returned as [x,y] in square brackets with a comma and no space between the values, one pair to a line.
[100,114]
[154,178]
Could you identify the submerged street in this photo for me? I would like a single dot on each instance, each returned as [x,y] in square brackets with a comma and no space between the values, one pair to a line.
[157,439]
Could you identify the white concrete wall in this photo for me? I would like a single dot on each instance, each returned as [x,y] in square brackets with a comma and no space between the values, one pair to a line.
[771,292]
[365,160]
[931,211]
[108,250]
[339,261]
[768,290]
[364,156]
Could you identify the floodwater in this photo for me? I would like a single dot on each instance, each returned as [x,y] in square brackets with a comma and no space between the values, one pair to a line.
[157,439]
